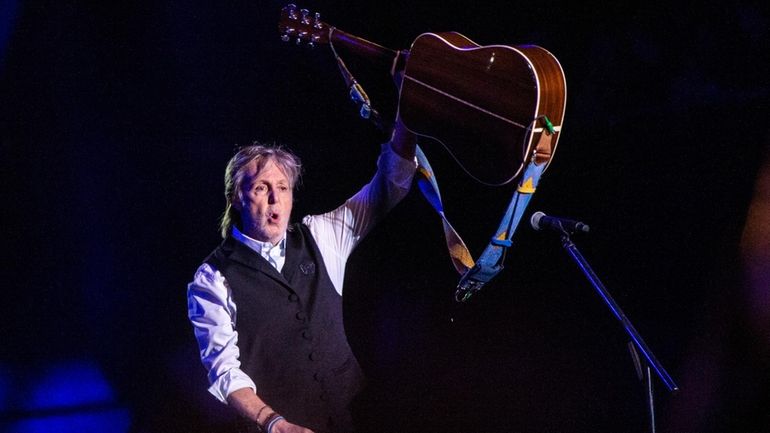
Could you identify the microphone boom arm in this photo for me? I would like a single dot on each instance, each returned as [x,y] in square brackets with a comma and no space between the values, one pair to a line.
[617,312]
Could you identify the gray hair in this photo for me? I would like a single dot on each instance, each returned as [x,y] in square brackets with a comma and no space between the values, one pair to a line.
[286,161]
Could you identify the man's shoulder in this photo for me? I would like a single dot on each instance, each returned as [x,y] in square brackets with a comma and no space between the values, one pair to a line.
[221,252]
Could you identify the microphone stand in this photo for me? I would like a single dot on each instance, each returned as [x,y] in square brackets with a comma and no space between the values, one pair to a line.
[636,343]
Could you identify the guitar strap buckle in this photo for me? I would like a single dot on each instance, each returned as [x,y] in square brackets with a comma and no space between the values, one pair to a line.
[474,280]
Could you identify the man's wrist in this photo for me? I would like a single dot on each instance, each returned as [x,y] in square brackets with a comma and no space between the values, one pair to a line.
[259,415]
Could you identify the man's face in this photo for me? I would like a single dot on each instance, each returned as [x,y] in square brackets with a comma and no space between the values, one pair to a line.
[264,202]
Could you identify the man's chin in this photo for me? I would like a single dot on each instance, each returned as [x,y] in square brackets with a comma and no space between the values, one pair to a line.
[276,232]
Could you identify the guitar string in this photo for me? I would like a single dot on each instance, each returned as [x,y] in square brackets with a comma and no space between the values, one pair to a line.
[471,175]
[462,101]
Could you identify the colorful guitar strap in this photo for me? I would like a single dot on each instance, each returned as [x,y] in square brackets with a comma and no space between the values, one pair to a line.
[490,263]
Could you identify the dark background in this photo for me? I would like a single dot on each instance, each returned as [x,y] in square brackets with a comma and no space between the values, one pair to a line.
[119,117]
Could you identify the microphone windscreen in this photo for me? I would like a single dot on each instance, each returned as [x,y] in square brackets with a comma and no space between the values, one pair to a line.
[535,220]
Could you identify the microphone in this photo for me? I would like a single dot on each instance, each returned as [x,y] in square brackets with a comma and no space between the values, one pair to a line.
[541,221]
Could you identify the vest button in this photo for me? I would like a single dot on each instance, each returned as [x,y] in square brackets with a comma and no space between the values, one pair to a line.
[293,297]
[301,316]
[307,335]
[314,356]
[317,376]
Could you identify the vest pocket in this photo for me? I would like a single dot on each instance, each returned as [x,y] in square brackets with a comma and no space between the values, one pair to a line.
[346,380]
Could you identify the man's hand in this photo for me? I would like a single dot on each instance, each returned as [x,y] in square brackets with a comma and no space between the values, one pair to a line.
[248,404]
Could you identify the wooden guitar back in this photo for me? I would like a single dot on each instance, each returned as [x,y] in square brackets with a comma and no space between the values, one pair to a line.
[482,103]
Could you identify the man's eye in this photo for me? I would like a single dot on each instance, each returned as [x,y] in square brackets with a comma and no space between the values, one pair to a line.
[260,188]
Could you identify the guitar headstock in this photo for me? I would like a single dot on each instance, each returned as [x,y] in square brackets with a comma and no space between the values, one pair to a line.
[299,25]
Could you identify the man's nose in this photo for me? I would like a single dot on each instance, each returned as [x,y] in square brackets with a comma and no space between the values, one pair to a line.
[272,197]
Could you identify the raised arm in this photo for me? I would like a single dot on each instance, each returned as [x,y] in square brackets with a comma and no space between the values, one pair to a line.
[338,232]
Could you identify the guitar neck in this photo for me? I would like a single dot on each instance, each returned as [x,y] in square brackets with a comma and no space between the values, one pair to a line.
[375,53]
[301,26]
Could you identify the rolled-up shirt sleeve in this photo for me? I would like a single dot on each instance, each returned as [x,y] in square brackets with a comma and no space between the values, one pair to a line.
[212,312]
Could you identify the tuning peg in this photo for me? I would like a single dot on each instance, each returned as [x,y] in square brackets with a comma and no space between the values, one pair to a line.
[305,16]
[285,37]
[317,20]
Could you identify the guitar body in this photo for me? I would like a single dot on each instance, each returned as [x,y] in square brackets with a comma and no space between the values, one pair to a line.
[483,103]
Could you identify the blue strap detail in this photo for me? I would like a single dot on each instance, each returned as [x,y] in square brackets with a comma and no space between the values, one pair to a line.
[490,263]
[499,243]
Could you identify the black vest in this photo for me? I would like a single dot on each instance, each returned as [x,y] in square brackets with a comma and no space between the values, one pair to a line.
[290,333]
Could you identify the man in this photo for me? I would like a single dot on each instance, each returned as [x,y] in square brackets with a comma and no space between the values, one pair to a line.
[266,305]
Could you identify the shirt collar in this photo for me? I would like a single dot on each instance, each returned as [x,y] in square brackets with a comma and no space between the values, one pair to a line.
[262,248]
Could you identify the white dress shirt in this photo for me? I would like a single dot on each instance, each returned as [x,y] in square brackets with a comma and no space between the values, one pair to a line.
[210,304]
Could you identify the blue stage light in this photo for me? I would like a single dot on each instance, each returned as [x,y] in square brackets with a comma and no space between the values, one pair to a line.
[69,397]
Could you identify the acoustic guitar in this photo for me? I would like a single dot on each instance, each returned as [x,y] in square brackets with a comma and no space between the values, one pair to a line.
[487,105]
